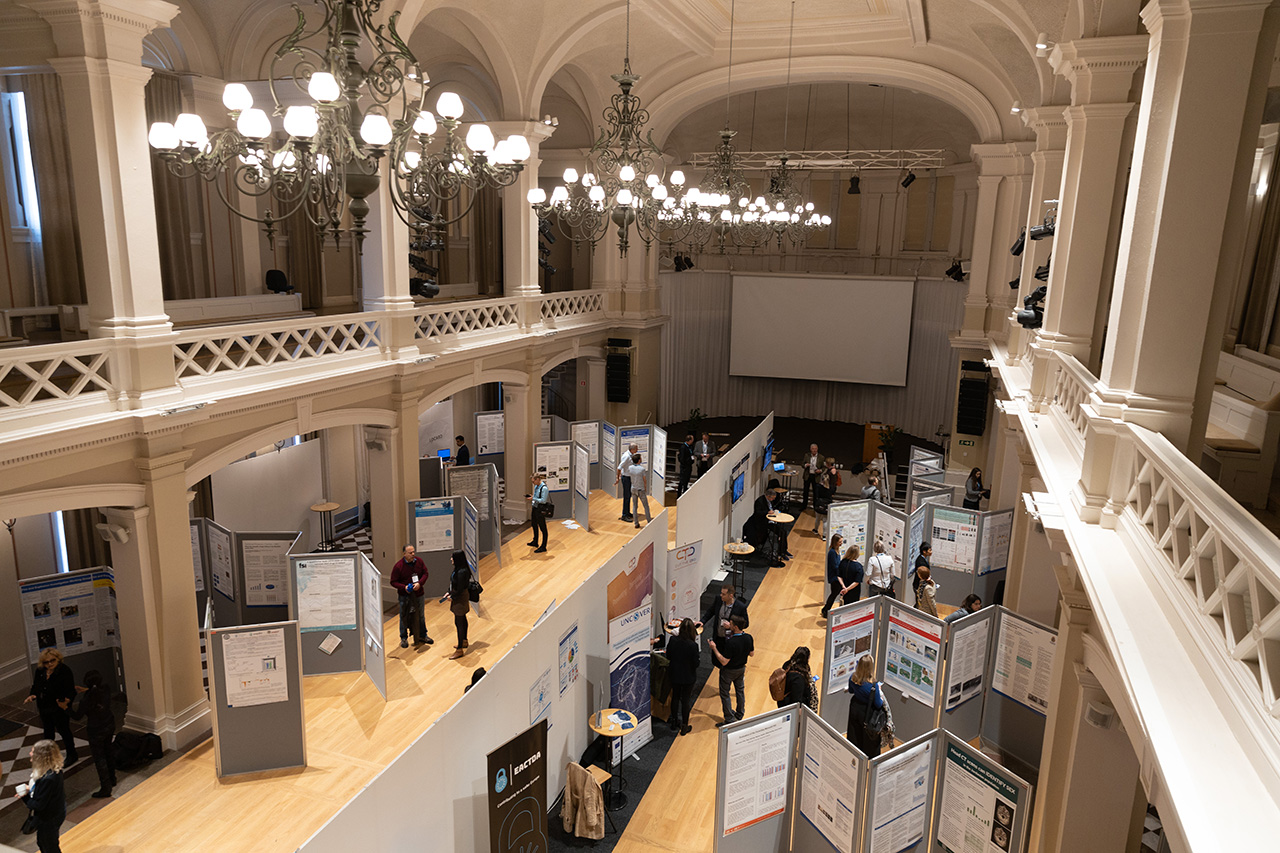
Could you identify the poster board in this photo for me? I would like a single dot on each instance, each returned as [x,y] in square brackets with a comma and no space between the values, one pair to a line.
[491,433]
[375,652]
[590,435]
[981,806]
[968,664]
[435,528]
[755,783]
[324,599]
[219,551]
[517,772]
[471,535]
[911,667]
[899,792]
[262,572]
[200,565]
[76,613]
[659,462]
[852,631]
[608,457]
[255,684]
[829,788]
[1020,675]
[684,581]
[544,428]
[581,486]
[479,484]
[556,458]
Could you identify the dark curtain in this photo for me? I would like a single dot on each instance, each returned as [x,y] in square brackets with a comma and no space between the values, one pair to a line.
[486,230]
[305,264]
[173,213]
[1252,332]
[85,548]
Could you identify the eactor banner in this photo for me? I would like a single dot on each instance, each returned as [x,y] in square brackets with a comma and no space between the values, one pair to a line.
[630,612]
[517,783]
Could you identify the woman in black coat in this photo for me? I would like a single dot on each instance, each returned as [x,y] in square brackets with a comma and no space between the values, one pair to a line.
[460,600]
[52,690]
[683,655]
[95,706]
[799,681]
[46,798]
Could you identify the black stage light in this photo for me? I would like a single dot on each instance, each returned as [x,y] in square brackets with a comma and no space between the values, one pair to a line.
[425,288]
[854,185]
[1016,283]
[1042,273]
[1032,314]
[548,267]
[909,179]
[1040,232]
[955,272]
[1019,243]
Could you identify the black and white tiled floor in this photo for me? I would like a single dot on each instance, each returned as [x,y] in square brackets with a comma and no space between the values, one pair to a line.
[15,760]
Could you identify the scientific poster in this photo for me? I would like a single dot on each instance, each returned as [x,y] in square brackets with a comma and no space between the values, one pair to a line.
[659,455]
[898,807]
[996,530]
[954,537]
[638,436]
[490,433]
[472,481]
[540,697]
[433,525]
[266,571]
[555,459]
[968,664]
[608,448]
[197,562]
[888,528]
[683,579]
[569,663]
[1024,662]
[850,521]
[255,667]
[544,429]
[220,561]
[72,612]
[757,766]
[326,594]
[911,658]
[979,803]
[852,633]
[829,787]
[917,532]
[471,536]
[581,472]
[587,434]
[371,601]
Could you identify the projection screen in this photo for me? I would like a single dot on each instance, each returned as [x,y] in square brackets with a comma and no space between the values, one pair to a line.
[838,328]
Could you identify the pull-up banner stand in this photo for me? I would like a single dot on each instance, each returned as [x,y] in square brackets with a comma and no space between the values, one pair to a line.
[325,601]
[435,529]
[491,445]
[588,434]
[375,652]
[255,682]
[479,484]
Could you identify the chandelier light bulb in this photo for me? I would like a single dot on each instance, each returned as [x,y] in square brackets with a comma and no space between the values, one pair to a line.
[410,162]
[537,195]
[725,216]
[559,195]
[301,122]
[323,86]
[596,194]
[479,138]
[760,201]
[743,202]
[659,192]
[375,129]
[1042,41]
[520,150]
[285,160]
[589,179]
[627,173]
[1016,108]
[624,196]
[449,106]
[652,180]
[191,129]
[254,124]
[425,123]
[677,178]
[236,97]
[163,136]
[809,206]
[826,220]
[571,175]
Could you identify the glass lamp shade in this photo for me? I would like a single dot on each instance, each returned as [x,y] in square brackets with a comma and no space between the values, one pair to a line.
[677,178]
[809,206]
[479,138]
[826,220]
[163,136]
[323,87]
[596,194]
[626,173]
[375,129]
[190,129]
[322,164]
[571,175]
[501,155]
[520,150]
[560,195]
[659,192]
[449,106]
[236,97]
[537,195]
[624,196]
[725,216]
[410,161]
[285,160]
[589,179]
[301,122]
[425,124]
[254,124]
[652,180]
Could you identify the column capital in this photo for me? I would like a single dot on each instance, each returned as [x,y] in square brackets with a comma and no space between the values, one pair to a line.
[1049,125]
[106,30]
[1100,70]
[1002,158]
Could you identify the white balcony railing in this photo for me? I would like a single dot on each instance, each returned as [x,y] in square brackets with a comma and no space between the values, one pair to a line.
[214,351]
[79,371]
[558,306]
[1072,384]
[484,315]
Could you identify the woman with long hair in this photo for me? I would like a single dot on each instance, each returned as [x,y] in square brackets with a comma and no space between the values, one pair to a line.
[833,572]
[799,680]
[974,491]
[52,689]
[683,655]
[46,796]
[460,600]
[924,588]
[864,696]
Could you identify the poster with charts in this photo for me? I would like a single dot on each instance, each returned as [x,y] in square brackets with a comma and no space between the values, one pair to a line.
[954,536]
[911,657]
[639,436]
[993,555]
[757,766]
[967,666]
[433,525]
[540,696]
[899,806]
[608,448]
[266,571]
[570,663]
[197,561]
[72,612]
[588,435]
[326,593]
[659,453]
[490,433]
[892,531]
[473,482]
[220,564]
[852,634]
[255,667]
[1024,662]
[554,459]
[581,472]
[850,521]
[829,786]
[979,803]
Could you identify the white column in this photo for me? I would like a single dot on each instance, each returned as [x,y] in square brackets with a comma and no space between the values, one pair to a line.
[975,303]
[522,410]
[519,222]
[1046,179]
[384,267]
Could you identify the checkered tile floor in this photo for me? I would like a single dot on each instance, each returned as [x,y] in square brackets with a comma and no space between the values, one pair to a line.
[15,759]
[358,540]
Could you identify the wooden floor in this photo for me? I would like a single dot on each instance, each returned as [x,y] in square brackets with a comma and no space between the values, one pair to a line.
[351,733]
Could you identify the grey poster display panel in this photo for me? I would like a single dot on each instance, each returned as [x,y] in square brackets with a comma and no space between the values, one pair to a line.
[967,658]
[852,631]
[324,599]
[559,429]
[200,565]
[435,528]
[954,535]
[431,477]
[479,484]
[253,728]
[978,800]
[608,457]
[544,428]
[471,535]
[890,527]
[900,786]
[375,652]
[220,560]
[1019,675]
[930,494]
[262,572]
[556,458]
[491,431]
[911,668]
[755,783]
[830,779]
[658,463]
[581,486]
[590,435]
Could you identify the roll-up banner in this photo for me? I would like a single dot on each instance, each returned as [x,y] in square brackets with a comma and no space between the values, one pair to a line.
[517,785]
[630,613]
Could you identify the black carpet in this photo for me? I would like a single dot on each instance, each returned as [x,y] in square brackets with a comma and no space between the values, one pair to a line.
[7,726]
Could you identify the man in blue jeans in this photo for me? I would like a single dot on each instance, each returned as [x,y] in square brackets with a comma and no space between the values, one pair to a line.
[408,576]
[731,654]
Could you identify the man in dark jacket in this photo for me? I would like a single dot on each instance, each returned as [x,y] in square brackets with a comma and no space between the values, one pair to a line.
[463,454]
[95,706]
[685,455]
[718,615]
[408,576]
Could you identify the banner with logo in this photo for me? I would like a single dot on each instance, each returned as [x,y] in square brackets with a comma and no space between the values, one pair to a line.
[682,581]
[518,792]
[630,607]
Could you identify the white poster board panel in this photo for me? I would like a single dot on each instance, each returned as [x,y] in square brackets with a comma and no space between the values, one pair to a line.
[557,461]
[587,433]
[266,569]
[659,455]
[954,537]
[638,436]
[221,563]
[433,525]
[829,786]
[326,590]
[912,653]
[967,660]
[544,429]
[889,527]
[982,807]
[901,784]
[1024,662]
[757,761]
[608,450]
[490,433]
[850,521]
[73,612]
[993,553]
[852,630]
[197,561]
[581,472]
[472,481]
[255,666]
[375,657]
[471,535]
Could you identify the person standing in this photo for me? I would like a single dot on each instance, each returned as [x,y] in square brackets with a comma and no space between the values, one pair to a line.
[52,689]
[777,497]
[704,451]
[974,491]
[621,476]
[799,680]
[833,572]
[638,476]
[463,454]
[407,578]
[812,466]
[46,796]
[684,656]
[460,600]
[685,454]
[732,653]
[848,579]
[538,501]
[924,588]
[880,572]
[95,706]
[922,559]
[871,491]
[865,694]
[720,612]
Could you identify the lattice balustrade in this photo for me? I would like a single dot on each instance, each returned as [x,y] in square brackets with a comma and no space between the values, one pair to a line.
[1228,567]
[556,305]
[209,352]
[486,315]
[1072,384]
[32,375]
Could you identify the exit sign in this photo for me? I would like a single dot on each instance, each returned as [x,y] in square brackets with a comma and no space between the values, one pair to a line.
[964,442]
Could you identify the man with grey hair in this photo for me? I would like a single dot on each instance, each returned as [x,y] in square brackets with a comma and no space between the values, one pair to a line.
[621,476]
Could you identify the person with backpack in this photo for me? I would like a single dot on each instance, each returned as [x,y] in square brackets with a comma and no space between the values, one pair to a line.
[793,682]
[924,588]
[95,706]
[868,711]
[460,600]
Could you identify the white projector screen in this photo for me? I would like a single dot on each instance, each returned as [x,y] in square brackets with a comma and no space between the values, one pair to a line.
[838,329]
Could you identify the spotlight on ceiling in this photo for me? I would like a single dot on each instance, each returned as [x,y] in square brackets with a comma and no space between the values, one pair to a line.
[1032,314]
[909,179]
[855,185]
[1042,44]
[1018,244]
[1016,108]
[1016,283]
[1041,232]
[955,272]
[1042,272]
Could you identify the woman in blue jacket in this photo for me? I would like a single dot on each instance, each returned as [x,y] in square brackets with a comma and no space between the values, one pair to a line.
[864,695]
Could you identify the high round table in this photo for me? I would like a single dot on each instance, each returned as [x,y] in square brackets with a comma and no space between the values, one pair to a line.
[602,725]
[326,525]
[737,551]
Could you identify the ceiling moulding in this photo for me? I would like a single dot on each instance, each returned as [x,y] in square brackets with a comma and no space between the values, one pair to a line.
[693,23]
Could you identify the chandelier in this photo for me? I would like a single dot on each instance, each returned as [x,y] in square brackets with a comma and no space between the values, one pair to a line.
[344,118]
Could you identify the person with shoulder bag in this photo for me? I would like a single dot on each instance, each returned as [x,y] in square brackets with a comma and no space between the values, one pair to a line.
[868,710]
[796,683]
[460,600]
[539,510]
[45,796]
[880,574]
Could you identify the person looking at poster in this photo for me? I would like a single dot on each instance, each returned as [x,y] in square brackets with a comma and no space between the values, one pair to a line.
[880,572]
[684,656]
[866,698]
[621,476]
[833,572]
[871,491]
[460,600]
[922,558]
[463,454]
[974,491]
[52,689]
[538,501]
[925,589]
[95,705]
[638,476]
[732,653]
[971,605]
[798,683]
[849,574]
[407,577]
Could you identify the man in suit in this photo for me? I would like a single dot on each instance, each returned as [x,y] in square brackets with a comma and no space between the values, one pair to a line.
[717,616]
[463,455]
[704,451]
[812,467]
[685,455]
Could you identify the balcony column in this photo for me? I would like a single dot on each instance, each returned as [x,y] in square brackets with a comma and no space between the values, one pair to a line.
[1202,59]
[1046,179]
[975,303]
[393,473]
[384,268]
[519,222]
[522,410]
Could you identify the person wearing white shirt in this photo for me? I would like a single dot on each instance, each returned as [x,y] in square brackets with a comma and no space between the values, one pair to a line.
[623,477]
[880,573]
[703,452]
[638,475]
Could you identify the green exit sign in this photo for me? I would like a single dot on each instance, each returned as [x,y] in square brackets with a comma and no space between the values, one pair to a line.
[964,442]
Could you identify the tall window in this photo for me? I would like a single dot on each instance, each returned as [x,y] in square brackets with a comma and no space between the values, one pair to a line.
[20,176]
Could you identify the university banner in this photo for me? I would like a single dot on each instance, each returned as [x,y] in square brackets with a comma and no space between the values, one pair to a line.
[518,792]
